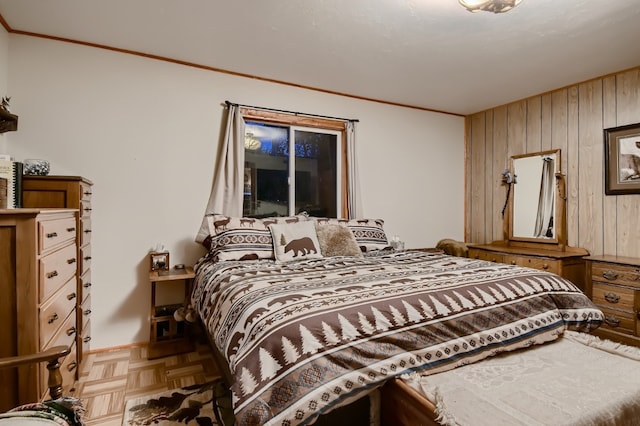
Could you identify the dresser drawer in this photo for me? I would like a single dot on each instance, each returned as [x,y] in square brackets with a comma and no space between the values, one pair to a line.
[55,232]
[614,273]
[543,264]
[85,285]
[86,311]
[485,255]
[54,311]
[85,258]
[85,231]
[621,322]
[56,269]
[66,334]
[85,208]
[85,191]
[612,296]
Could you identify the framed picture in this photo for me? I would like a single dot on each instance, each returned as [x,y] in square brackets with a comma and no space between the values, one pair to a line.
[159,261]
[622,160]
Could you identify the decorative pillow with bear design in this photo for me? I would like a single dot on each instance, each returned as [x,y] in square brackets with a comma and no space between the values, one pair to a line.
[295,241]
[243,238]
[337,240]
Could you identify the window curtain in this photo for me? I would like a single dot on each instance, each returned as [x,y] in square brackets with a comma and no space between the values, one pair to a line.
[544,219]
[228,181]
[354,205]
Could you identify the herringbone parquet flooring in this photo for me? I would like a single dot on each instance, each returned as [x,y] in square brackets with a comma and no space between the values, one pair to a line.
[108,379]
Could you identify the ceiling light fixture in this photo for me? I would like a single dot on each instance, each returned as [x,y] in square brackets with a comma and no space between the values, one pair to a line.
[495,6]
[251,142]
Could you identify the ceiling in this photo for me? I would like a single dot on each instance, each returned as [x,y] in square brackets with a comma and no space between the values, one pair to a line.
[430,54]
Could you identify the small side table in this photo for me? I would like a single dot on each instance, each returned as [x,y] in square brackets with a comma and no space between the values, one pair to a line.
[168,336]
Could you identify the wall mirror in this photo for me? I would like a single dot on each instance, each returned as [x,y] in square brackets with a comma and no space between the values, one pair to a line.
[537,208]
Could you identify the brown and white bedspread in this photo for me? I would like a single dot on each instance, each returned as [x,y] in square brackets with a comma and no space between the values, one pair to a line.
[303,337]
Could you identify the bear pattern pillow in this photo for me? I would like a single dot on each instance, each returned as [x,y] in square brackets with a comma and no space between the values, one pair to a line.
[244,238]
[337,240]
[295,241]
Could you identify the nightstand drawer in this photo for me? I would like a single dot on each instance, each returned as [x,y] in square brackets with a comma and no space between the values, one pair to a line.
[612,296]
[621,322]
[549,265]
[618,274]
[85,231]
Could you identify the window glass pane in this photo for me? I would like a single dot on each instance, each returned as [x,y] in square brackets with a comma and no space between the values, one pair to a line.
[316,171]
[266,170]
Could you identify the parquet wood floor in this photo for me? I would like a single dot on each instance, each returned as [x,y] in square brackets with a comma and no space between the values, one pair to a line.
[108,379]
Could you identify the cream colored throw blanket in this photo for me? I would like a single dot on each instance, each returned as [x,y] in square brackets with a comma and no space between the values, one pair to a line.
[577,380]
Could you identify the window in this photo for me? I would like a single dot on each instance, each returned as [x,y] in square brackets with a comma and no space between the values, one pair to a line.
[293,164]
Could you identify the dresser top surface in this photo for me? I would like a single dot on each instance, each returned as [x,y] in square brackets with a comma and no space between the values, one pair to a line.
[530,251]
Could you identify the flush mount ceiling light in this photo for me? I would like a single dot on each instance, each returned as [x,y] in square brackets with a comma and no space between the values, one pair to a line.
[495,6]
[251,142]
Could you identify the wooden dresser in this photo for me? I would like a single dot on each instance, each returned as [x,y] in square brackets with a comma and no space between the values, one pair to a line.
[38,270]
[70,192]
[569,263]
[613,283]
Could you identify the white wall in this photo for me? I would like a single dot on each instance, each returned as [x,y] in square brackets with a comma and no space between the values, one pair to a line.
[146,133]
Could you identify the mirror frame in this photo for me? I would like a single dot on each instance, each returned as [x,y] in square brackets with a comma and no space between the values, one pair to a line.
[559,241]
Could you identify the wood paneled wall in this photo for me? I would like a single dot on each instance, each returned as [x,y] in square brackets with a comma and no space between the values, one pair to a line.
[572,119]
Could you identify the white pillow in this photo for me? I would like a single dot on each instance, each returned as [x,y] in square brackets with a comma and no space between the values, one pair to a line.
[295,241]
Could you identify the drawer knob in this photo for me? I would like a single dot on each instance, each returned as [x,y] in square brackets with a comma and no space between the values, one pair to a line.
[87,312]
[72,366]
[612,321]
[52,234]
[53,318]
[87,258]
[87,285]
[513,262]
[610,275]
[71,296]
[87,339]
[71,331]
[52,274]
[87,192]
[545,266]
[71,229]
[71,261]
[88,209]
[612,298]
[87,231]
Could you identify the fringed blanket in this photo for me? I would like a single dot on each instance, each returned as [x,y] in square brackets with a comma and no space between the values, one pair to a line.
[302,337]
[576,380]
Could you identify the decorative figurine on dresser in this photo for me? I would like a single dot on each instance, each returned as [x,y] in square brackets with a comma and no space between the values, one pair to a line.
[535,226]
[72,192]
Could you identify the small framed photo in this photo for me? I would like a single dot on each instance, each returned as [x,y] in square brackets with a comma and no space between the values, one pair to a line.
[622,160]
[159,261]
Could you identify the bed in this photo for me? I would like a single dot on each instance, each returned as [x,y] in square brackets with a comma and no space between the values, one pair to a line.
[298,332]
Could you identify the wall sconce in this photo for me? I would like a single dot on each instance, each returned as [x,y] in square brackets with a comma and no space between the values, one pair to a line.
[495,6]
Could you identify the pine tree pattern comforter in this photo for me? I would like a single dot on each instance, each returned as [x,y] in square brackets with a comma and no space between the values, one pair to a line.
[304,337]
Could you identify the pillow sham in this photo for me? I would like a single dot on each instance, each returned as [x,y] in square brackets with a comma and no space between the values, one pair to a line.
[337,240]
[243,238]
[369,233]
[295,241]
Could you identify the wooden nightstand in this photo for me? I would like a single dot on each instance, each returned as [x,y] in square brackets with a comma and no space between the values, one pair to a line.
[168,336]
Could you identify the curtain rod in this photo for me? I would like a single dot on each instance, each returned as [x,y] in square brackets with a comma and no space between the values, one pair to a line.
[353,120]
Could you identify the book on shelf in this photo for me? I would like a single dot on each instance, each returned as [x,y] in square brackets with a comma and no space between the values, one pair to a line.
[12,172]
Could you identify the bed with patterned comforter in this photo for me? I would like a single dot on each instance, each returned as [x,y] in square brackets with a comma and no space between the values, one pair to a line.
[303,337]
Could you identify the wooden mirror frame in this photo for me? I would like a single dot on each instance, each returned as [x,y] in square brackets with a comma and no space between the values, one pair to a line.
[559,241]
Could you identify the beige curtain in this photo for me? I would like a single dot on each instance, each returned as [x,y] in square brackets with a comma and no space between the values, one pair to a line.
[228,181]
[354,204]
